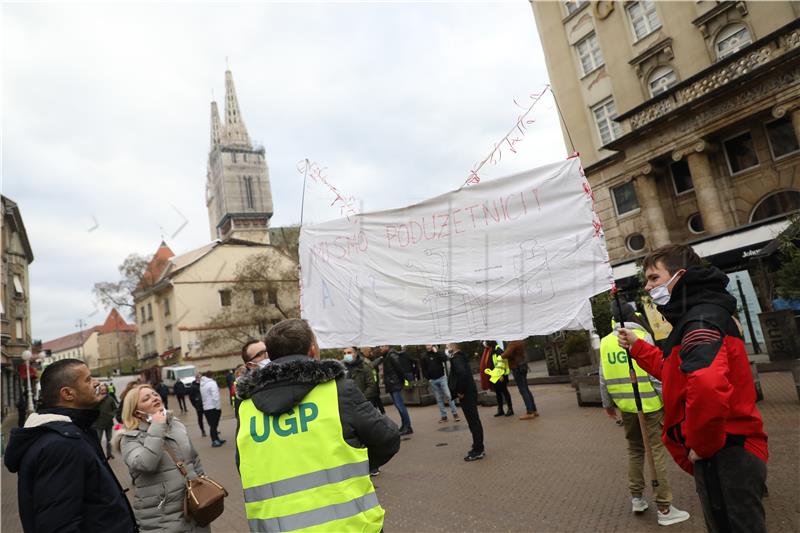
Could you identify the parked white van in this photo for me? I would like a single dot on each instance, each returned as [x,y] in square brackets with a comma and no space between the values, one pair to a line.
[184,373]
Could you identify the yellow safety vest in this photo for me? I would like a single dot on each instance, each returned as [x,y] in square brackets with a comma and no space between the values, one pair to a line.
[618,378]
[500,363]
[298,473]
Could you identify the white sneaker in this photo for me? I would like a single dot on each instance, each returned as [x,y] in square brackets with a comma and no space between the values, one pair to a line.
[639,505]
[674,516]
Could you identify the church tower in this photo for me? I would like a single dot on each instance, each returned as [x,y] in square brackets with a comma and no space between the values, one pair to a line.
[238,194]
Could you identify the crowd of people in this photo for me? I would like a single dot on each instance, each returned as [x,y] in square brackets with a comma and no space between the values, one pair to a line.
[311,432]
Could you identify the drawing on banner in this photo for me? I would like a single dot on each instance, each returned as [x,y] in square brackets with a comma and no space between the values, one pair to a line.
[450,300]
[529,264]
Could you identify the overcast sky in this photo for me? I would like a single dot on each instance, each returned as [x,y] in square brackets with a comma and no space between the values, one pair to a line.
[105,117]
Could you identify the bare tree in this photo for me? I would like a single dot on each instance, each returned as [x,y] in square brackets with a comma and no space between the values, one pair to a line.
[119,294]
[265,291]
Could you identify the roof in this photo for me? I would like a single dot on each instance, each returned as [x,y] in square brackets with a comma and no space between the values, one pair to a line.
[11,210]
[115,322]
[156,266]
[72,340]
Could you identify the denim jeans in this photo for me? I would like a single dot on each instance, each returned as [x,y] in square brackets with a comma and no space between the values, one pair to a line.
[521,378]
[397,398]
[442,392]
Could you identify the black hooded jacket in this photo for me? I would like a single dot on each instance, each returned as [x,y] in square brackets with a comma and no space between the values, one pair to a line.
[65,484]
[280,386]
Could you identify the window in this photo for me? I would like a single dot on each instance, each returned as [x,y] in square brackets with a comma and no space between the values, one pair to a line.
[168,336]
[258,297]
[681,177]
[604,115]
[732,39]
[19,330]
[741,153]
[233,157]
[661,79]
[272,296]
[144,316]
[225,298]
[263,327]
[18,289]
[644,18]
[248,192]
[149,311]
[166,306]
[782,140]
[589,54]
[573,6]
[625,200]
[635,242]
[776,204]
[695,223]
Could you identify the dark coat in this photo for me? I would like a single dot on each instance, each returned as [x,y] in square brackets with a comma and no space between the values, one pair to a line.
[460,379]
[394,372]
[64,481]
[179,388]
[433,365]
[279,387]
[106,410]
[194,395]
[360,371]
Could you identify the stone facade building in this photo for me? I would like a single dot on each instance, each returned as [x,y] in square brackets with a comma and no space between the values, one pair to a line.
[15,310]
[238,194]
[686,116]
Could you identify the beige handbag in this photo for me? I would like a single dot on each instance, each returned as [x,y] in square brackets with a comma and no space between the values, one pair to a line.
[205,498]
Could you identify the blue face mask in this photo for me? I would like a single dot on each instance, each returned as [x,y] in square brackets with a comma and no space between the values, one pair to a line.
[348,358]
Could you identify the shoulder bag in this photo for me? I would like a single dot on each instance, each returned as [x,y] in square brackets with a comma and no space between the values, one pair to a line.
[204,501]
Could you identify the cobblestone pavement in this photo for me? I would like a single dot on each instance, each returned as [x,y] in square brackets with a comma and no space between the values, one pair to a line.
[565,471]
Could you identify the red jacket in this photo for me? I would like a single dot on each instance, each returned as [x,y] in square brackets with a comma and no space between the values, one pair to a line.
[708,391]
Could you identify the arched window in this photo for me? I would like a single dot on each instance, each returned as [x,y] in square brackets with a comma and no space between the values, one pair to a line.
[661,79]
[776,204]
[731,39]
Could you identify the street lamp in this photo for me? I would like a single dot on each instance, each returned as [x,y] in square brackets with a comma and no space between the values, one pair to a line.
[26,356]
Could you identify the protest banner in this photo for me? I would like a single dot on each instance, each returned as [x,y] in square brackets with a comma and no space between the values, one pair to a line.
[502,259]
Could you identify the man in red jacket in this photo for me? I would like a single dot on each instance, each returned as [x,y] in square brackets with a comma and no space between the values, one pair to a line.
[711,425]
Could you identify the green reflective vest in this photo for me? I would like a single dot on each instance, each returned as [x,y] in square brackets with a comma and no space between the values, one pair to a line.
[298,473]
[618,378]
[500,363]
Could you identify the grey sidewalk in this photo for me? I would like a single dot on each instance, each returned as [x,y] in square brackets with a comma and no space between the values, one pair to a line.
[565,471]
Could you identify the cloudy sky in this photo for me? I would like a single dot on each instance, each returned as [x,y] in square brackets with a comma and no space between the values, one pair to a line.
[105,117]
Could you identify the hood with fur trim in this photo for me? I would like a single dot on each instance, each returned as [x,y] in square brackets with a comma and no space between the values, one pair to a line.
[279,386]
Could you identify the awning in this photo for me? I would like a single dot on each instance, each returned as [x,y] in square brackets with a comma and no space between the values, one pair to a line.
[727,242]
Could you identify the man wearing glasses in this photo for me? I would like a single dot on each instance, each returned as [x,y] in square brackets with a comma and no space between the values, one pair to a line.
[254,354]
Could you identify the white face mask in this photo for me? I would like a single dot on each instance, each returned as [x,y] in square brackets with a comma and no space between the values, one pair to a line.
[448,352]
[660,294]
[263,363]
[348,358]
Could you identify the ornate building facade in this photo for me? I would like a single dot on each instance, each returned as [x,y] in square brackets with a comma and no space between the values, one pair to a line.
[686,116]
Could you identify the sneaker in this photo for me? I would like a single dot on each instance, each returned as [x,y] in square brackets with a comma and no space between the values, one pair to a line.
[639,505]
[510,413]
[474,456]
[218,443]
[673,516]
[499,413]
[406,431]
[443,420]
[456,418]
[375,472]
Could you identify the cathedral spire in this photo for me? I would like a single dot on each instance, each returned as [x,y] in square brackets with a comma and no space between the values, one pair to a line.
[216,127]
[235,130]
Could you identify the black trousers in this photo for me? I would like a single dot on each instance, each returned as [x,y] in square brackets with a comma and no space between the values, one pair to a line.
[730,486]
[212,415]
[181,402]
[378,404]
[199,410]
[469,404]
[501,391]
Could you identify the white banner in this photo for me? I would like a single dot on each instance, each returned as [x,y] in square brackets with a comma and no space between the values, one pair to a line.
[502,259]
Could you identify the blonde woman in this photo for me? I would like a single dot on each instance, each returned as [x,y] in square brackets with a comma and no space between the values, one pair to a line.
[159,486]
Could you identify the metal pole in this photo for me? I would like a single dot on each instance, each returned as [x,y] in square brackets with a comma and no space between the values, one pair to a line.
[30,390]
[753,340]
[303,198]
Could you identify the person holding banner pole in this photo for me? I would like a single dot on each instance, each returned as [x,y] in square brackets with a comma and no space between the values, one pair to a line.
[712,427]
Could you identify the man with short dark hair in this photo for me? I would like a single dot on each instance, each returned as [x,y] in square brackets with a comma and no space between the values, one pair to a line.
[254,354]
[304,426]
[64,481]
[212,408]
[394,379]
[462,384]
[712,427]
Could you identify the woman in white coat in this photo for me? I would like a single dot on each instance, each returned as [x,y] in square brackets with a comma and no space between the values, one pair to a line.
[159,486]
